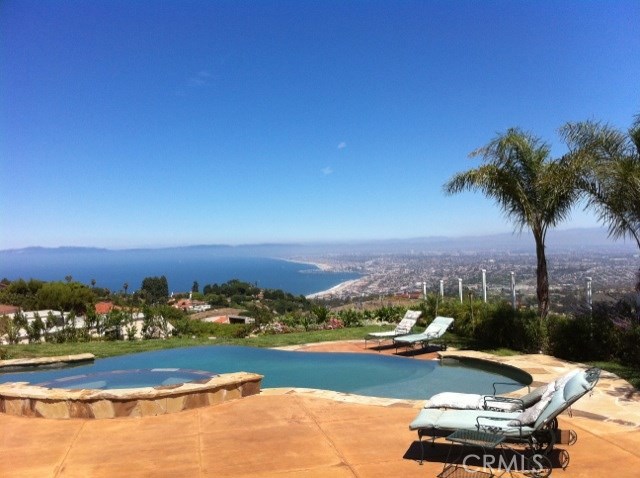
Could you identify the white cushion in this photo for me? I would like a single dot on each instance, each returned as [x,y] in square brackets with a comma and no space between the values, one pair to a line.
[562,381]
[531,414]
[460,401]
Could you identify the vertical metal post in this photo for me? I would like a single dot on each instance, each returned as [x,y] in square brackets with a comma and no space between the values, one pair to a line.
[441,288]
[460,288]
[484,285]
[424,290]
[589,294]
[513,290]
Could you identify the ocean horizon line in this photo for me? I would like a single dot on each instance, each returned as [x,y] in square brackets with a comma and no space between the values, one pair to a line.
[571,234]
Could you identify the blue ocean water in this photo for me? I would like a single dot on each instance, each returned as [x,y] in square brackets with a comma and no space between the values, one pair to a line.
[181,266]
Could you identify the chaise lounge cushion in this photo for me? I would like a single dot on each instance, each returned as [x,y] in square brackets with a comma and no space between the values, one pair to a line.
[459,401]
[437,419]
[562,381]
[531,414]
[403,327]
[533,396]
[575,388]
[436,329]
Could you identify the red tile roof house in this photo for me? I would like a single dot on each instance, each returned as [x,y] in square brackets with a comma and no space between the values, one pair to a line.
[8,309]
[104,307]
[229,319]
[184,304]
[189,304]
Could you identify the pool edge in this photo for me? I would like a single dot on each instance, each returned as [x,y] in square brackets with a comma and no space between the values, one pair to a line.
[55,361]
[22,399]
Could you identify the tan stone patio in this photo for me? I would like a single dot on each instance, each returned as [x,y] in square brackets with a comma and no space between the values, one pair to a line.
[289,433]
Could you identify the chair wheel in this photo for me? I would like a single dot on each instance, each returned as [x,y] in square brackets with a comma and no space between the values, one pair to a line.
[542,467]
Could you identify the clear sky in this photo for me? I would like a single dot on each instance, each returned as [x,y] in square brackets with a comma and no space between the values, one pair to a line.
[156,123]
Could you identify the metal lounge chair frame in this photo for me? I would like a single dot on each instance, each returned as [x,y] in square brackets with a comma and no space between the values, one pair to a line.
[403,328]
[539,437]
[434,330]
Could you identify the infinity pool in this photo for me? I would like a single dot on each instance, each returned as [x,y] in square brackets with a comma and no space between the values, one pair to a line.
[363,374]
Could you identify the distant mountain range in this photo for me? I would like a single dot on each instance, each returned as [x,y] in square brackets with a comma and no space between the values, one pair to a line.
[557,241]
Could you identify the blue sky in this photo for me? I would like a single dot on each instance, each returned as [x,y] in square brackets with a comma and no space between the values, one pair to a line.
[144,123]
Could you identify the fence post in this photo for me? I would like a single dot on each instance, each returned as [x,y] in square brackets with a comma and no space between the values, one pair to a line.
[460,288]
[484,285]
[513,290]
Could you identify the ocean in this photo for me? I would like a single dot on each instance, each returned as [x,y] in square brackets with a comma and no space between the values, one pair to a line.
[181,266]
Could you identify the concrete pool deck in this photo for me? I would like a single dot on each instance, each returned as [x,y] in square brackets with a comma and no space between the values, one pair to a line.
[288,433]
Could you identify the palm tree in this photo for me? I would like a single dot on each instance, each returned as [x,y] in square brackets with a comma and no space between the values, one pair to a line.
[611,173]
[532,190]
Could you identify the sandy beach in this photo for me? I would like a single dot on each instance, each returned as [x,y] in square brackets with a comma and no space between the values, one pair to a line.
[348,287]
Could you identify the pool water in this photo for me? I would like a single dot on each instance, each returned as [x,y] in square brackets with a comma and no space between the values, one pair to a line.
[135,378]
[363,374]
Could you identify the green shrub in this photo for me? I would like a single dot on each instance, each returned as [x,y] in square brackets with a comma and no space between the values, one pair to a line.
[350,318]
[498,325]
[629,350]
[586,335]
[5,324]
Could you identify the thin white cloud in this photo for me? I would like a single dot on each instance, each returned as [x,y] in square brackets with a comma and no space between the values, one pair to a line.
[326,171]
[342,145]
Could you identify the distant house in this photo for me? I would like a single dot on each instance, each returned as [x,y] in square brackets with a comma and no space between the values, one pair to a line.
[103,308]
[55,315]
[9,309]
[157,328]
[229,319]
[183,304]
[190,305]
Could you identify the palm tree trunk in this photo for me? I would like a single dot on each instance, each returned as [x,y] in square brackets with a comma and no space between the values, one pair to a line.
[542,276]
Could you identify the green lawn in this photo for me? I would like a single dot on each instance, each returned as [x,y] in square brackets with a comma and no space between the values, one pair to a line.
[630,374]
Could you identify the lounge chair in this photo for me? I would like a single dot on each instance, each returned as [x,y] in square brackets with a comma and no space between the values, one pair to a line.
[403,328]
[536,427]
[498,403]
[435,330]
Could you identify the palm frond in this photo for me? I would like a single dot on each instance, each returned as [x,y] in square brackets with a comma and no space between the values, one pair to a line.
[610,175]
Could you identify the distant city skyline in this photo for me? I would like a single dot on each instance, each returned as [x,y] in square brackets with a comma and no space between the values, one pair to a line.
[145,124]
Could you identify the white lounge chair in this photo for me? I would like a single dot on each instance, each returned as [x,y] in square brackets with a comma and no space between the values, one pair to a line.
[435,330]
[403,328]
[536,427]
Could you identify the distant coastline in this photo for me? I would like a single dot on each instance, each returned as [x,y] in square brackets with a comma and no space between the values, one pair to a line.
[345,287]
[183,268]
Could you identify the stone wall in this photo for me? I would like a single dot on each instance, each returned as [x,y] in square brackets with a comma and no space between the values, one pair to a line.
[27,400]
[21,364]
